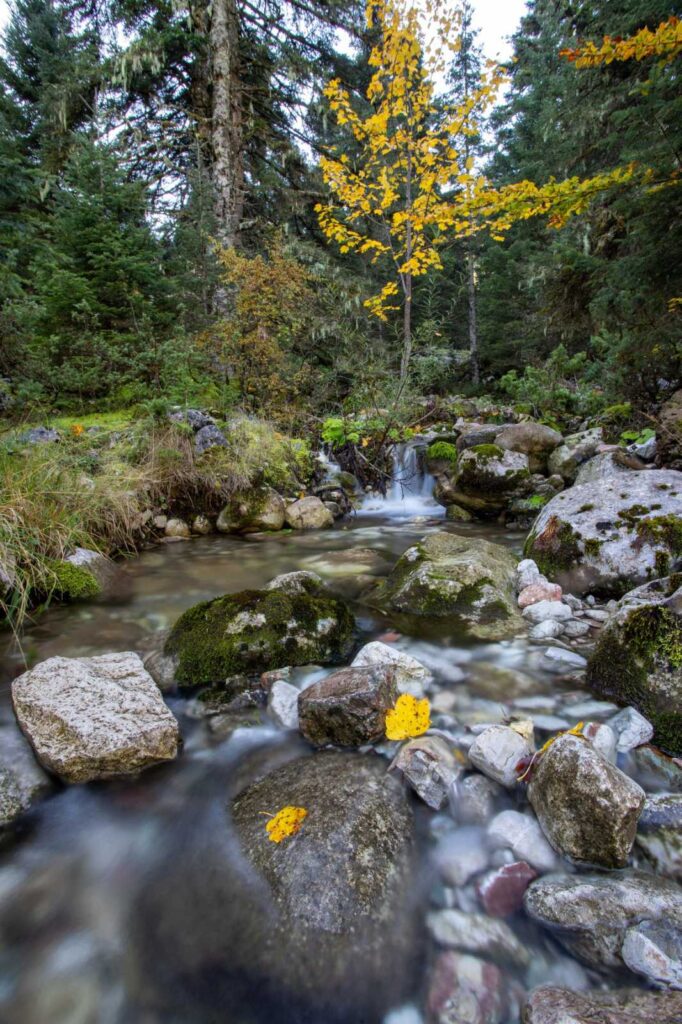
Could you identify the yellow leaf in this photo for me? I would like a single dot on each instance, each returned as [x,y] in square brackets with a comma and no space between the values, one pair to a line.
[285,823]
[410,717]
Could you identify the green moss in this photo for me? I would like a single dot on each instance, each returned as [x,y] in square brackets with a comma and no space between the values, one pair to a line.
[486,452]
[666,530]
[586,508]
[592,546]
[256,630]
[555,549]
[441,451]
[636,662]
[72,581]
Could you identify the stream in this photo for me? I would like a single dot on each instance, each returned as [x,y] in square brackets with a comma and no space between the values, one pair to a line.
[93,929]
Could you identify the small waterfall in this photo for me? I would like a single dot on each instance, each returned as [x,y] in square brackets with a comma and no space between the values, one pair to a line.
[411,491]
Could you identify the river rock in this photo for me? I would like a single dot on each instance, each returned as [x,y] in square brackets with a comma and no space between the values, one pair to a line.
[22,780]
[587,808]
[528,574]
[532,439]
[484,480]
[561,661]
[576,449]
[8,572]
[638,658]
[550,629]
[108,577]
[474,434]
[602,467]
[295,620]
[92,718]
[466,990]
[550,1005]
[501,891]
[536,592]
[498,752]
[602,738]
[177,529]
[659,833]
[202,525]
[476,933]
[328,915]
[283,703]
[347,708]
[543,610]
[590,913]
[431,768]
[475,798]
[669,447]
[464,578]
[410,675]
[654,949]
[631,729]
[260,509]
[461,854]
[308,514]
[613,538]
[522,834]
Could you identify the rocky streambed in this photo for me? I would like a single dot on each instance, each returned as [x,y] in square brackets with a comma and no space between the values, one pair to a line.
[520,860]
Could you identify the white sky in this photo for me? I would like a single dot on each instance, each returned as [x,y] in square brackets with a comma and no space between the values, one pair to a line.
[497,20]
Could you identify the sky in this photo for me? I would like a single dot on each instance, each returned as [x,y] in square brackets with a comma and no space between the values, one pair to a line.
[497,19]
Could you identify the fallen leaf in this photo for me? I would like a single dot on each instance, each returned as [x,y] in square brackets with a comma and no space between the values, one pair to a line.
[409,718]
[285,823]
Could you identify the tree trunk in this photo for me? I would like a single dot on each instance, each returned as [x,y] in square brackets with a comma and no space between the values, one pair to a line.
[473,329]
[226,122]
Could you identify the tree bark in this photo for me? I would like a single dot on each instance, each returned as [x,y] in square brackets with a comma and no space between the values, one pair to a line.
[473,329]
[226,122]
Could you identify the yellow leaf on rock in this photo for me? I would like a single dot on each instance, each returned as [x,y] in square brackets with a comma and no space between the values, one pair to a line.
[409,718]
[285,823]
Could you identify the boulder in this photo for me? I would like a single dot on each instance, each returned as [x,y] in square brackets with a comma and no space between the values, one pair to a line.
[550,1005]
[587,808]
[8,573]
[576,449]
[22,780]
[295,620]
[39,435]
[410,675]
[329,908]
[258,510]
[476,933]
[347,708]
[484,480]
[540,611]
[669,435]
[207,437]
[431,768]
[638,658]
[202,525]
[308,514]
[605,466]
[108,576]
[659,833]
[591,913]
[474,434]
[532,439]
[466,579]
[498,752]
[611,539]
[92,718]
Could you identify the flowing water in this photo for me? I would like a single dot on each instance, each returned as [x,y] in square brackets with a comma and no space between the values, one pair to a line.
[107,888]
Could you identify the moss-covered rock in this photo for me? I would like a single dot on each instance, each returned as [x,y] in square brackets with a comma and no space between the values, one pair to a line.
[669,437]
[535,440]
[260,509]
[72,582]
[484,479]
[295,620]
[638,659]
[613,537]
[466,579]
[576,449]
[441,456]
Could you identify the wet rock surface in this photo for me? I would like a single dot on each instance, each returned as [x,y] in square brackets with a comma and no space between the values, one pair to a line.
[347,708]
[587,808]
[549,1005]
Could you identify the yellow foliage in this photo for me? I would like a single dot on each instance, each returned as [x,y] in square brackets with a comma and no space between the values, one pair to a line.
[409,718]
[664,42]
[577,730]
[285,823]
